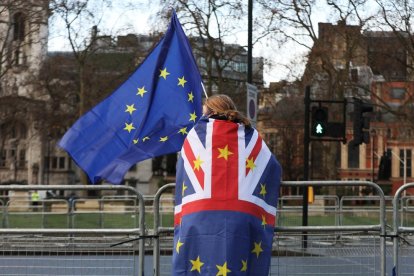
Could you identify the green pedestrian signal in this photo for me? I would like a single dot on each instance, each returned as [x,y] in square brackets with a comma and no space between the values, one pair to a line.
[319,121]
[319,129]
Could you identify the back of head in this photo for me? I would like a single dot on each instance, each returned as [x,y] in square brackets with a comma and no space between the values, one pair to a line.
[223,106]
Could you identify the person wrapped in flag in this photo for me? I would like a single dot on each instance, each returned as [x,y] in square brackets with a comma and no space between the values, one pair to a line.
[227,189]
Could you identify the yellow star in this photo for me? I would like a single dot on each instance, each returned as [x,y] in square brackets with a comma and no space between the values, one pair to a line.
[164,73]
[178,245]
[129,127]
[135,141]
[181,81]
[190,97]
[222,270]
[263,190]
[197,163]
[183,131]
[193,117]
[224,152]
[141,91]
[145,138]
[250,164]
[264,221]
[130,108]
[197,264]
[183,189]
[163,139]
[257,249]
[244,266]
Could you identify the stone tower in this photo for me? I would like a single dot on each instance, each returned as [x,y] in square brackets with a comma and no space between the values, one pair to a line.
[23,49]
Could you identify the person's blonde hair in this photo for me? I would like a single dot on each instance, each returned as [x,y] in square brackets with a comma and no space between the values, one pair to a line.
[223,106]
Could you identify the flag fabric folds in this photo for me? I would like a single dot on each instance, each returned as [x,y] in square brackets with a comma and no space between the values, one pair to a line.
[226,197]
[148,115]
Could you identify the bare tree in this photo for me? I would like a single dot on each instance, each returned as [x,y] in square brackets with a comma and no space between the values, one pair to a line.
[395,24]
[79,16]
[213,26]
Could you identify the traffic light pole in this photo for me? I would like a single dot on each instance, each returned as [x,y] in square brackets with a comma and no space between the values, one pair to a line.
[306,147]
[306,143]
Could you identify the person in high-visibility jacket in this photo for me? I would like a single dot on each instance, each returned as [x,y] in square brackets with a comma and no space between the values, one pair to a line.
[35,200]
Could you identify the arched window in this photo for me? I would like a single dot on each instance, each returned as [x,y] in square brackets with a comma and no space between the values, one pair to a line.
[13,130]
[353,156]
[13,136]
[18,26]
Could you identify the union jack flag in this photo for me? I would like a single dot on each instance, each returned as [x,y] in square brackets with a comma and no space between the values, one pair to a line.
[226,196]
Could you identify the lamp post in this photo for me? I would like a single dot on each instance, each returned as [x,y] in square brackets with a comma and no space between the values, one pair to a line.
[373,134]
[404,162]
[250,42]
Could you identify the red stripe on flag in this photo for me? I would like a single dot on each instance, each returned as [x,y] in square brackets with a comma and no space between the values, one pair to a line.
[255,152]
[191,158]
[224,169]
[228,205]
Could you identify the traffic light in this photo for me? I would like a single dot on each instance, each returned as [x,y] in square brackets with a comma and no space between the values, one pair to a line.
[361,122]
[384,170]
[319,121]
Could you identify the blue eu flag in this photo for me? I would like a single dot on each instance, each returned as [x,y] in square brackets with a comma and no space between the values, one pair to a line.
[149,115]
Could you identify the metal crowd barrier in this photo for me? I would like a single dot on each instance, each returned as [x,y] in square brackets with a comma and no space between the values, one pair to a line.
[333,246]
[402,233]
[50,248]
[365,245]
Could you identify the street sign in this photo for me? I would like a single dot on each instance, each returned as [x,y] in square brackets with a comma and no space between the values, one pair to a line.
[252,103]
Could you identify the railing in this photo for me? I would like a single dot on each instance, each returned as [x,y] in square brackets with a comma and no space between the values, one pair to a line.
[403,251]
[308,240]
[67,241]
[346,235]
[290,239]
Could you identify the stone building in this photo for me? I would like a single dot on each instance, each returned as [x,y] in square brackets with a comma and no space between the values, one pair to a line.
[23,44]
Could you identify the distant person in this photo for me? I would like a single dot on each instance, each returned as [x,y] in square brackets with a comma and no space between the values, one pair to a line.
[227,189]
[35,198]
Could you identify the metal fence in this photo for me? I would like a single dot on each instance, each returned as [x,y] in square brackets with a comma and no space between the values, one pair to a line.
[31,246]
[133,235]
[402,232]
[334,248]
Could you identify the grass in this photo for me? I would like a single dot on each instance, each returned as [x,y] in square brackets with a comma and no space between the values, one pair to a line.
[108,220]
[82,220]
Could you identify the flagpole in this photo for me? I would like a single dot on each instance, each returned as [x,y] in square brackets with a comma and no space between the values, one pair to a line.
[205,93]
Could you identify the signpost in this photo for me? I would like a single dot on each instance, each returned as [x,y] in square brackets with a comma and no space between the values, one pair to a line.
[251,103]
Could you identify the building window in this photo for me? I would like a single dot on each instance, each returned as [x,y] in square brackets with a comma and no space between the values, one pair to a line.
[397,93]
[13,130]
[353,156]
[61,163]
[354,75]
[56,163]
[21,161]
[18,27]
[3,159]
[407,160]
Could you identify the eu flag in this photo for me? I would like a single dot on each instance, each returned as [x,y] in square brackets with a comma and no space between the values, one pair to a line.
[226,197]
[148,115]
